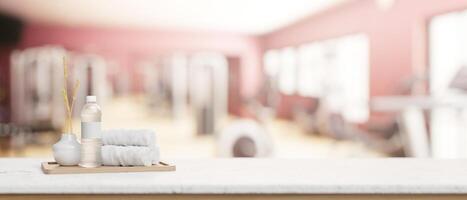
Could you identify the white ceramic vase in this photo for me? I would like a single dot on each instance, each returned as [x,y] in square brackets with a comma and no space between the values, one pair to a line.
[67,150]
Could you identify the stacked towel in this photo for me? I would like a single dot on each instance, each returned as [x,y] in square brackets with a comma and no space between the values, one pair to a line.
[126,147]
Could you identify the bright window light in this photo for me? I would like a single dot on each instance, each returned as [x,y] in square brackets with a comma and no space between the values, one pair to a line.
[337,70]
[311,65]
[352,61]
[288,69]
[448,44]
[271,63]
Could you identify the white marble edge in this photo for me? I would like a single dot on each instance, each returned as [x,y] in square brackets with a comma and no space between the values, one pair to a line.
[249,176]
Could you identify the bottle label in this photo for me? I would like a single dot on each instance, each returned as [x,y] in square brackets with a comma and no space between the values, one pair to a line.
[91,130]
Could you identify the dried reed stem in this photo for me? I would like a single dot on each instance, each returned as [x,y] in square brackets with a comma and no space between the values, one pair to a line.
[75,89]
[68,127]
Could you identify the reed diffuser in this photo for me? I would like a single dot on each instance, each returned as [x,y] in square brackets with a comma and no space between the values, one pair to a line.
[68,127]
[67,150]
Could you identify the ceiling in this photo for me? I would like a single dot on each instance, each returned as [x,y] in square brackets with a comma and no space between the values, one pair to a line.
[239,16]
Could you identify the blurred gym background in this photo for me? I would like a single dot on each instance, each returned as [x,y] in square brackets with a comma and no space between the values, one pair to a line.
[243,78]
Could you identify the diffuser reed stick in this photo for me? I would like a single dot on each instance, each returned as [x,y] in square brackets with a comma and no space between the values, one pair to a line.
[68,127]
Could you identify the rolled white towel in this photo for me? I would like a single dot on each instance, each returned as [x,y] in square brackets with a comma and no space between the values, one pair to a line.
[127,155]
[129,137]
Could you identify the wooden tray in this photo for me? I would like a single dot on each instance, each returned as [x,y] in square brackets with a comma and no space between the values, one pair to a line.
[55,168]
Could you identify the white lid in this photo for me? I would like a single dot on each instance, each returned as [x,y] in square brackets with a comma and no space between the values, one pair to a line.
[91,99]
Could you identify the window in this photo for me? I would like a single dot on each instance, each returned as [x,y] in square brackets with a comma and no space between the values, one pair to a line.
[311,67]
[352,71]
[271,63]
[448,44]
[287,72]
[337,70]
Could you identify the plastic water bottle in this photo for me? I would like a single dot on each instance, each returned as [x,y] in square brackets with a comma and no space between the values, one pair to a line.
[91,138]
[91,119]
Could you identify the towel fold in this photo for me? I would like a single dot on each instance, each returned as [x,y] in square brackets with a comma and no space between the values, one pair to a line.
[127,147]
[127,155]
[129,137]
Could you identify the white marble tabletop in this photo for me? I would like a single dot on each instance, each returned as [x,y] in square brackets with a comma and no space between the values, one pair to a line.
[249,176]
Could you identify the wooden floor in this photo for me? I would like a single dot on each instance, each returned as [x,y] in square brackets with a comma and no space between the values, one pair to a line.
[235,197]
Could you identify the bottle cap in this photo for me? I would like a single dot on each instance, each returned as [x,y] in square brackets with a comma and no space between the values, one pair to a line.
[91,99]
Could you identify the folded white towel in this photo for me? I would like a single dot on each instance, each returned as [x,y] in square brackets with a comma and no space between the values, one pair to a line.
[119,139]
[129,137]
[157,156]
[127,155]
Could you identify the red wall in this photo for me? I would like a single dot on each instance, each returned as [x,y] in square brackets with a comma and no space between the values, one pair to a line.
[398,36]
[128,46]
